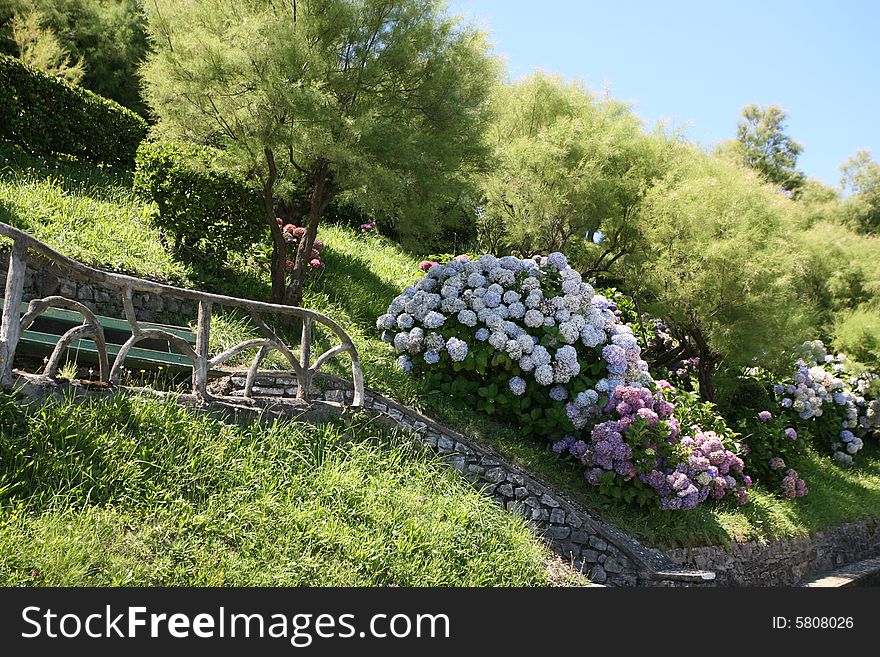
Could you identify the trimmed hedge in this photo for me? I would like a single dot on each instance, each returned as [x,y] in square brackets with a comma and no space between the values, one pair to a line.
[46,115]
[204,210]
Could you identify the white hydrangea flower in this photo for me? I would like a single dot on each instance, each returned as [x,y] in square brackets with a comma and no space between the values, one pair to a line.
[526,364]
[544,375]
[386,321]
[511,297]
[476,280]
[452,305]
[448,291]
[434,320]
[467,317]
[513,349]
[498,339]
[435,342]
[569,331]
[487,262]
[458,349]
[516,310]
[540,355]
[533,318]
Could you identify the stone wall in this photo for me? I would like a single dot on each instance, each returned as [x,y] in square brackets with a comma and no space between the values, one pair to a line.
[785,562]
[44,278]
[607,555]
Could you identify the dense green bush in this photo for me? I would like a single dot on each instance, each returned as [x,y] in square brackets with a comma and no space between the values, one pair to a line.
[46,115]
[204,210]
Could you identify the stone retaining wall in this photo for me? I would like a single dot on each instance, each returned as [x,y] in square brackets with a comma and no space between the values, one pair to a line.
[785,562]
[44,278]
[605,554]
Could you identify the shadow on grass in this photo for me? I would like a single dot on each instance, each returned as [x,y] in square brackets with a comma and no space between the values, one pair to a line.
[348,282]
[69,174]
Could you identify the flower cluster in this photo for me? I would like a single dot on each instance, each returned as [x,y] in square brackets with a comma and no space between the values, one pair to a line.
[793,486]
[643,440]
[538,312]
[706,469]
[292,235]
[818,390]
[368,227]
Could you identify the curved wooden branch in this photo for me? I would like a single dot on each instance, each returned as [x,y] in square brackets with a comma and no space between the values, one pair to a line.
[38,306]
[181,344]
[81,331]
[237,349]
[252,370]
[327,355]
[278,343]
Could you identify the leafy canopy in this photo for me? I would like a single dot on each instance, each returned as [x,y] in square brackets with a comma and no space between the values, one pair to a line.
[568,165]
[716,261]
[391,95]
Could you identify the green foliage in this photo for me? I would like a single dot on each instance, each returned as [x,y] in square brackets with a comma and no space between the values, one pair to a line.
[106,39]
[385,102]
[205,211]
[861,177]
[568,165]
[857,333]
[716,264]
[764,440]
[132,491]
[764,146]
[39,47]
[46,115]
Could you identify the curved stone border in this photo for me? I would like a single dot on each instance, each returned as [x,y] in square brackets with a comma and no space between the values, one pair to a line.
[606,554]
[861,573]
[785,562]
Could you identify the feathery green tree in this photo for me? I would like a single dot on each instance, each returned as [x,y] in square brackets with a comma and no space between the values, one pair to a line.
[385,100]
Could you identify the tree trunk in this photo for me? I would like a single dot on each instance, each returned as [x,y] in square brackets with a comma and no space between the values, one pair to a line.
[279,246]
[322,193]
[705,373]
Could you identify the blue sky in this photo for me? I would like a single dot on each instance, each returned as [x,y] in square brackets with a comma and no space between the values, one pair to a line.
[695,65]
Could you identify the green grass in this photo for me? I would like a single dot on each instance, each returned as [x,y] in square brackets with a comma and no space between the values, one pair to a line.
[362,274]
[135,491]
[86,213]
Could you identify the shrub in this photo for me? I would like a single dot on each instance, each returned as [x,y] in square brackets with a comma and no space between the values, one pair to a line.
[857,332]
[771,443]
[48,116]
[527,339]
[204,210]
[828,397]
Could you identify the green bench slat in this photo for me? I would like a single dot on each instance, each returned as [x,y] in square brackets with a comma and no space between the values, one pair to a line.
[48,340]
[45,343]
[109,323]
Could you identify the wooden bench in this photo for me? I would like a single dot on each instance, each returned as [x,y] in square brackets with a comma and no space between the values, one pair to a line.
[40,339]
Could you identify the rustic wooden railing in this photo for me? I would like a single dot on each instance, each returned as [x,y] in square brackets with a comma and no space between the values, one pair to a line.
[202,362]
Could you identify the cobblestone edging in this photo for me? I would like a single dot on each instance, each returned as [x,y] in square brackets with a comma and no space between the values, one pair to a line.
[607,555]
[44,278]
[785,562]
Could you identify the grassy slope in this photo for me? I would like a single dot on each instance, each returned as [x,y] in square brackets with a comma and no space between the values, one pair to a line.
[133,491]
[362,274]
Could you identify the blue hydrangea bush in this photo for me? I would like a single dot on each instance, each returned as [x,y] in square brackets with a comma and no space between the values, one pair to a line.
[832,399]
[529,340]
